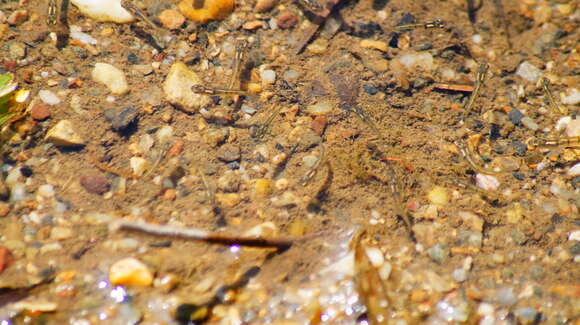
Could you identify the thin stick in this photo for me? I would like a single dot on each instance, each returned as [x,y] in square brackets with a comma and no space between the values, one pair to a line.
[201,235]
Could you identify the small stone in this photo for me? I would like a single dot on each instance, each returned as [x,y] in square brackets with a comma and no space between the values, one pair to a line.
[177,88]
[17,17]
[515,116]
[321,108]
[138,165]
[6,258]
[438,195]
[130,272]
[487,182]
[228,200]
[573,128]
[471,220]
[266,229]
[169,194]
[215,137]
[48,97]
[262,187]
[265,5]
[229,182]
[171,19]
[574,235]
[371,90]
[438,253]
[530,124]
[17,50]
[505,296]
[459,275]
[104,10]
[211,10]
[95,184]
[573,97]
[40,112]
[287,199]
[286,20]
[253,25]
[268,77]
[111,77]
[526,315]
[164,134]
[529,72]
[4,209]
[121,119]
[371,44]
[319,124]
[319,46]
[167,282]
[61,233]
[64,135]
[411,60]
[229,152]
[375,256]
[290,75]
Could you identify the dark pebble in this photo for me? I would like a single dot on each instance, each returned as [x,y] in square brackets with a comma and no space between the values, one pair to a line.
[286,20]
[371,90]
[365,29]
[132,58]
[494,132]
[26,171]
[229,152]
[521,148]
[557,218]
[120,120]
[515,116]
[234,165]
[95,184]
[518,176]
[575,249]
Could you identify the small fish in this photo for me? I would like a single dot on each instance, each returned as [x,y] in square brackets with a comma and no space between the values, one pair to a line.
[210,91]
[479,80]
[555,106]
[431,24]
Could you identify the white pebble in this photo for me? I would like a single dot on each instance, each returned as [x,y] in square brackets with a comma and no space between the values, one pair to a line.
[146,142]
[572,98]
[110,76]
[529,72]
[459,275]
[573,128]
[487,182]
[476,38]
[574,170]
[413,60]
[574,235]
[268,77]
[291,74]
[563,122]
[48,97]
[46,191]
[375,256]
[385,271]
[164,134]
[104,10]
[248,109]
[17,192]
[320,108]
[77,34]
[138,165]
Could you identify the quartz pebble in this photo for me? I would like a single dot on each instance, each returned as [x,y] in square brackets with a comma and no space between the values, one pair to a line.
[177,88]
[61,233]
[487,182]
[48,97]
[573,97]
[438,195]
[63,134]
[130,272]
[321,108]
[77,34]
[529,72]
[573,128]
[412,60]
[104,10]
[138,165]
[268,77]
[111,77]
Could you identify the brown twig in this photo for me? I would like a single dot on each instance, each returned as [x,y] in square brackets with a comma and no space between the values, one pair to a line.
[201,235]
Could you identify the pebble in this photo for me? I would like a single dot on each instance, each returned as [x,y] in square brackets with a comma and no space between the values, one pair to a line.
[6,258]
[39,112]
[121,119]
[111,77]
[290,75]
[459,275]
[229,152]
[228,200]
[438,253]
[48,97]
[177,88]
[371,90]
[265,5]
[229,182]
[573,128]
[77,34]
[95,184]
[17,17]
[61,233]
[63,134]
[321,108]
[214,137]
[262,187]
[266,229]
[138,165]
[515,116]
[529,123]
[130,272]
[471,220]
[574,235]
[164,134]
[104,10]
[171,19]
[438,195]
[16,50]
[212,10]
[286,20]
[248,109]
[46,191]
[287,199]
[505,296]
[411,60]
[487,182]
[372,44]
[526,315]
[268,77]
[319,46]
[573,97]
[166,283]
[529,72]
[375,256]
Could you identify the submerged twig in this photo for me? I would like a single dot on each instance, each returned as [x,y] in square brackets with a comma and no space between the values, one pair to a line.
[200,235]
